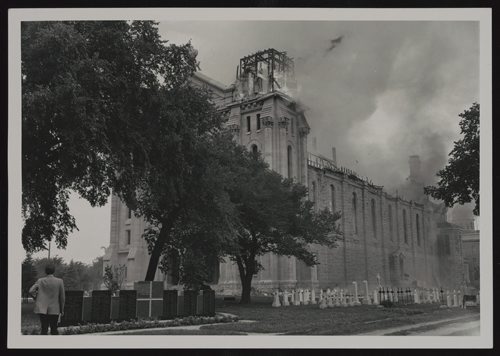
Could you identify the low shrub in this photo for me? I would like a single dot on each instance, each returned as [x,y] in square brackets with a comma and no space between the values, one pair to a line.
[134,324]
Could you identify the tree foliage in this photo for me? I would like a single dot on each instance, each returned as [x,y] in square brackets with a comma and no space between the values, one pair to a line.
[88,87]
[28,275]
[183,197]
[459,180]
[114,276]
[75,274]
[274,216]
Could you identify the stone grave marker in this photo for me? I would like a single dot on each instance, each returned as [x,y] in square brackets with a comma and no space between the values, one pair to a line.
[101,306]
[170,304]
[73,308]
[127,309]
[87,308]
[115,305]
[209,302]
[190,302]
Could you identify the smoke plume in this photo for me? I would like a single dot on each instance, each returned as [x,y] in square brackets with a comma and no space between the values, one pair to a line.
[377,91]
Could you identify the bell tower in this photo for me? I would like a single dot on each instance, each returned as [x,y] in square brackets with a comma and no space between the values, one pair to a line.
[265,72]
[265,116]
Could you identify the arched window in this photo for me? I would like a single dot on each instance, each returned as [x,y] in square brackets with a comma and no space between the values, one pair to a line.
[417,224]
[374,219]
[332,198]
[129,213]
[255,150]
[258,121]
[249,128]
[290,162]
[390,222]
[405,227]
[355,212]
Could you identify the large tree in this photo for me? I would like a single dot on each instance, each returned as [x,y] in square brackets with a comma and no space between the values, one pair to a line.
[274,216]
[209,219]
[28,275]
[88,88]
[181,196]
[459,180]
[71,276]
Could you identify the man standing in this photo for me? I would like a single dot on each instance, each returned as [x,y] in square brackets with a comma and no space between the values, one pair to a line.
[49,295]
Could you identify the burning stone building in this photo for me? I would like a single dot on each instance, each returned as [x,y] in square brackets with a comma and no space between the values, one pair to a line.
[406,241]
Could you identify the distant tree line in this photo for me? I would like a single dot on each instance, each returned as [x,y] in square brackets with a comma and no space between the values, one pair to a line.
[76,275]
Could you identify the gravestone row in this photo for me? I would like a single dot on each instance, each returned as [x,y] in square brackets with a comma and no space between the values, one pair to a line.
[381,295]
[102,307]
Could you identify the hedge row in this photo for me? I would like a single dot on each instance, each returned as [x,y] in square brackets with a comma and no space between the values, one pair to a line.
[135,324]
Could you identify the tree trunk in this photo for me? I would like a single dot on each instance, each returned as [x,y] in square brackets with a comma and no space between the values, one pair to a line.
[246,287]
[157,250]
[246,274]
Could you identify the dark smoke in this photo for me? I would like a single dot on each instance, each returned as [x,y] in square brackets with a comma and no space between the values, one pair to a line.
[387,90]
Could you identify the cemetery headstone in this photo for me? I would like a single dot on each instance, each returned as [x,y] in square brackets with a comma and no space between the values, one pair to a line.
[355,299]
[128,305]
[455,298]
[296,297]
[115,304]
[306,297]
[73,308]
[87,309]
[170,304]
[285,299]
[199,303]
[190,302]
[322,303]
[448,299]
[329,301]
[276,300]
[209,302]
[149,298]
[366,299]
[375,297]
[101,306]
[180,303]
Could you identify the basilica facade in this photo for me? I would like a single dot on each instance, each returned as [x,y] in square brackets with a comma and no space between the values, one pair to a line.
[402,240]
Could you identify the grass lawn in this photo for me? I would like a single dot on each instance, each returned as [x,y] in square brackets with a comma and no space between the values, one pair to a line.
[28,318]
[310,320]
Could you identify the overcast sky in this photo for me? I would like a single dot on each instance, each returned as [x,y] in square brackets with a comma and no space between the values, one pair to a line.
[387,91]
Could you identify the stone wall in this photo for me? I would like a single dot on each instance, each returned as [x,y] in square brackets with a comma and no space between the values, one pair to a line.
[374,230]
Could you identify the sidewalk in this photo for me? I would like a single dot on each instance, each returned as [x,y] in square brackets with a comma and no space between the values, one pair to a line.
[436,323]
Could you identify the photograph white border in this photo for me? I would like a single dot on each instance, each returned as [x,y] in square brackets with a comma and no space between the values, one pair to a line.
[16,253]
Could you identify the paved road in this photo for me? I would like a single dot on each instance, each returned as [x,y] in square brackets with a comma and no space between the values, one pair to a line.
[463,326]
[468,328]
